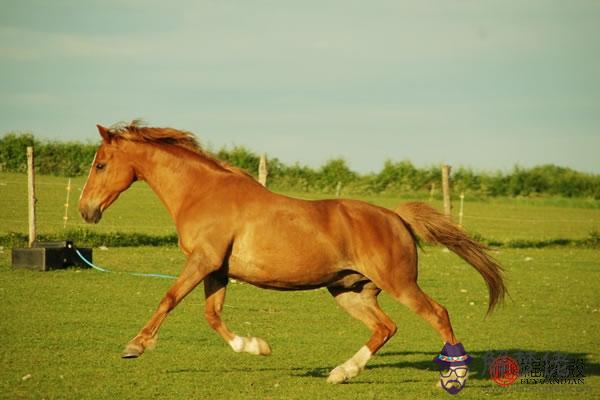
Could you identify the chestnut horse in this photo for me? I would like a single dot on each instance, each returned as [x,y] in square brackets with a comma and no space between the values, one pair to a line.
[231,226]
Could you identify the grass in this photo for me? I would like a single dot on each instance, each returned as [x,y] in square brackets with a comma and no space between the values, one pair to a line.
[128,214]
[64,330]
[500,220]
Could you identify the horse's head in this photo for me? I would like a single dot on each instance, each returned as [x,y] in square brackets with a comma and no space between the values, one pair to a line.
[111,173]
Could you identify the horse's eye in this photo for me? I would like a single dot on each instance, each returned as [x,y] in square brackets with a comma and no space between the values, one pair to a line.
[100,166]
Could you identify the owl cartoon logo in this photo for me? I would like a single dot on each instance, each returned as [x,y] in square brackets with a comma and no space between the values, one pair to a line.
[453,362]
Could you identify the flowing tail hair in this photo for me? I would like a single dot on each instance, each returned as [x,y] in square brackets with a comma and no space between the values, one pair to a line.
[433,227]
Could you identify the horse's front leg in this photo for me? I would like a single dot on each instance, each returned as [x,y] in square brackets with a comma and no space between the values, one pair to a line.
[215,285]
[196,269]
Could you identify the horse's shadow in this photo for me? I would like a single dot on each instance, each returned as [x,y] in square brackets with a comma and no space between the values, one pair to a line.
[478,369]
[423,361]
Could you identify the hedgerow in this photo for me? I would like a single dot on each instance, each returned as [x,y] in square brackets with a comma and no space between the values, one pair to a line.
[396,177]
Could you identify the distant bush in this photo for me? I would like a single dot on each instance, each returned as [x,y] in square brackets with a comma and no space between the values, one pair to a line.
[396,177]
[240,157]
[51,157]
[13,156]
[541,180]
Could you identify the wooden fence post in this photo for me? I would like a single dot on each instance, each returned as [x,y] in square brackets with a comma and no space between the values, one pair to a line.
[31,195]
[446,189]
[263,171]
[66,217]
[462,209]
[338,189]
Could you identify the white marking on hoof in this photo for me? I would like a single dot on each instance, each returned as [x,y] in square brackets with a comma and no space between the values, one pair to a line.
[237,344]
[337,375]
[251,345]
[264,348]
[351,368]
[362,357]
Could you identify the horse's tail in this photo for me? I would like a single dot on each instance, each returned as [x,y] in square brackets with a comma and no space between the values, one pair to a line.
[433,227]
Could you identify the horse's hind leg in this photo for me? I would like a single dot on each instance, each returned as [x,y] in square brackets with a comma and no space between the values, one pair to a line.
[215,286]
[431,311]
[411,295]
[362,305]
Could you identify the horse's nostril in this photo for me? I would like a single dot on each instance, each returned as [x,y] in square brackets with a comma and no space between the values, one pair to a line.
[91,215]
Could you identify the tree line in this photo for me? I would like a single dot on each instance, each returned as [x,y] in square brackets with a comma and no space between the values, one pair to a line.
[395,178]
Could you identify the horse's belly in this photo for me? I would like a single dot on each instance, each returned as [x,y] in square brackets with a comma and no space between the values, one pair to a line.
[287,252]
[282,276]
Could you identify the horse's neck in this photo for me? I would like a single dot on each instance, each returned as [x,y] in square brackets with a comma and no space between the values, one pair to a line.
[176,176]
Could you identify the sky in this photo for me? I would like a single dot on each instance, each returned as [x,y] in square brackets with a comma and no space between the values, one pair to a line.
[481,84]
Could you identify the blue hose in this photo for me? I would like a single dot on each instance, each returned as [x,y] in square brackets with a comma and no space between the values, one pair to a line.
[97,268]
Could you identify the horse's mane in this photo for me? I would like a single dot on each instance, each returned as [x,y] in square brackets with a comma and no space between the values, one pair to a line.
[137,131]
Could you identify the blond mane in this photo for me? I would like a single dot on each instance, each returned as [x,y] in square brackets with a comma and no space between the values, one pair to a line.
[136,131]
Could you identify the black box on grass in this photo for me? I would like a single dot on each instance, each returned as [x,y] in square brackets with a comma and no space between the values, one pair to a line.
[45,256]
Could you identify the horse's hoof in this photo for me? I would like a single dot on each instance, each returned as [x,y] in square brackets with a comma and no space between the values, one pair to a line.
[342,373]
[132,351]
[337,375]
[263,348]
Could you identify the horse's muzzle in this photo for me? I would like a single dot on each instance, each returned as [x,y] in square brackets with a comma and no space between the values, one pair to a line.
[91,215]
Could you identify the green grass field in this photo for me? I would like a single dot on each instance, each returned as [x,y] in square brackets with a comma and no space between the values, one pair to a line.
[65,329]
[62,331]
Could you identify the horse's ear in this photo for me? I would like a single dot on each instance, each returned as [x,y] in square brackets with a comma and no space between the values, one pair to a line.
[104,133]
